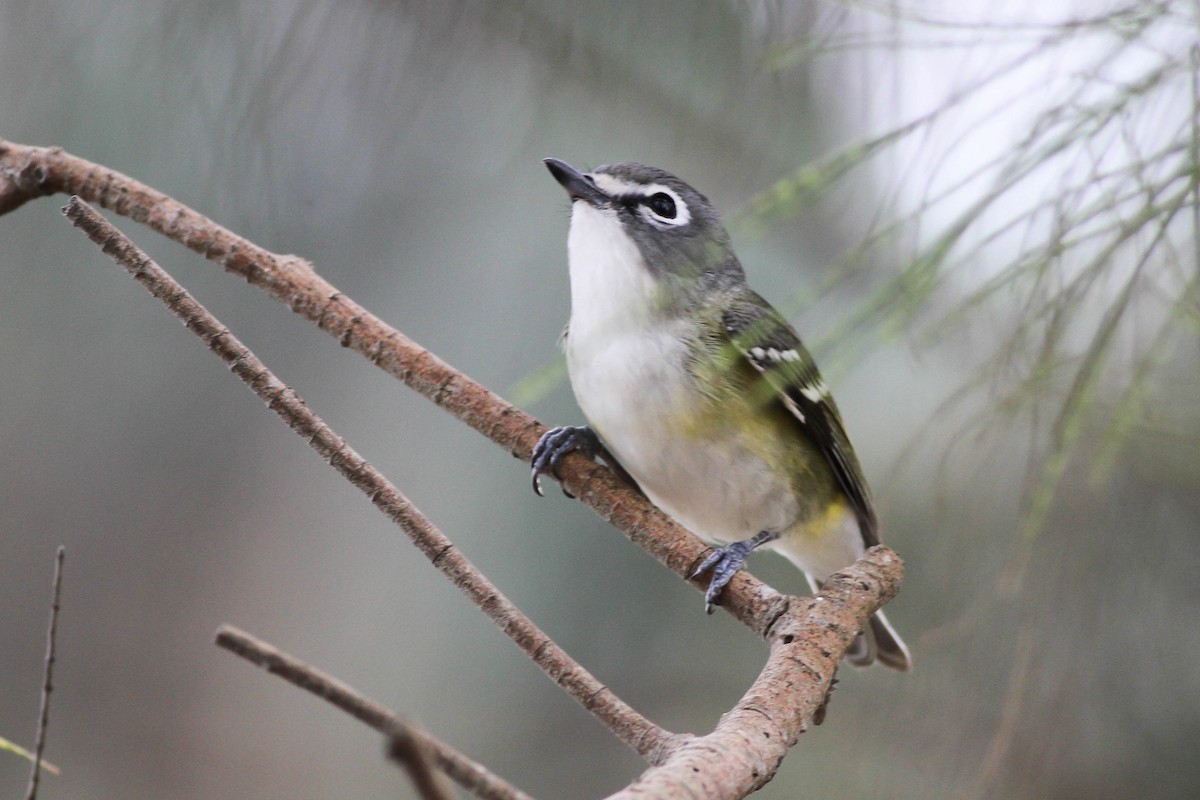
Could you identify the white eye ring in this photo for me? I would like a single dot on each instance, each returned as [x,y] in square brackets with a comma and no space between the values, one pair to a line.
[683,214]
[615,187]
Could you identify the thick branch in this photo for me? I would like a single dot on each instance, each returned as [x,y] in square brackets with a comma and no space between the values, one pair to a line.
[643,736]
[807,642]
[27,172]
[466,773]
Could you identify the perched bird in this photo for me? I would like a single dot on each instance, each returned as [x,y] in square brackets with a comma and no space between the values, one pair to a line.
[701,392]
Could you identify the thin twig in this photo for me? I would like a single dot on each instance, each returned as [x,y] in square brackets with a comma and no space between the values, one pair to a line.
[1194,149]
[47,678]
[1009,724]
[643,736]
[472,776]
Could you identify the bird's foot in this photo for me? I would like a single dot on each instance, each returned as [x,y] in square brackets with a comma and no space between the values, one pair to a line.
[725,562]
[554,446]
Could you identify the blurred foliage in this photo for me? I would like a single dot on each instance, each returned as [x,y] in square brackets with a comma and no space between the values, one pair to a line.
[17,750]
[981,216]
[1083,229]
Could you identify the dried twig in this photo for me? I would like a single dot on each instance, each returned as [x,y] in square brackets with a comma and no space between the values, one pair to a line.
[47,678]
[470,775]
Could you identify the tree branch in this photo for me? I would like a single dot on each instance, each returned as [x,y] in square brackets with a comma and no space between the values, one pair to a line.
[28,172]
[468,774]
[744,751]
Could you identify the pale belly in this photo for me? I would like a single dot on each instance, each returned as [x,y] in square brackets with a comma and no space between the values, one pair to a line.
[714,483]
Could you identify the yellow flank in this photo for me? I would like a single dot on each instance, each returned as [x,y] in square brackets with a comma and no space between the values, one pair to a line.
[739,412]
[828,523]
[723,407]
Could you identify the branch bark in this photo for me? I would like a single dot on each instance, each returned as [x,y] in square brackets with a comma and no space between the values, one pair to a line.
[807,642]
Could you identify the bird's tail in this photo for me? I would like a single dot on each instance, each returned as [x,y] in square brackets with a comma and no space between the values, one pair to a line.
[879,642]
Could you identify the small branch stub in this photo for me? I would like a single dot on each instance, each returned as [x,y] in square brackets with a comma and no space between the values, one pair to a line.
[408,750]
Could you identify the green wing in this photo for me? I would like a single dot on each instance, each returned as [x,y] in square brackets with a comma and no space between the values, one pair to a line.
[763,336]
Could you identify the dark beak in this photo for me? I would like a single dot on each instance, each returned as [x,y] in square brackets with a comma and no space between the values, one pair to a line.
[578,186]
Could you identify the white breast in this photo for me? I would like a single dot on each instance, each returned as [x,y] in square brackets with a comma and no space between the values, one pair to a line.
[627,367]
[611,288]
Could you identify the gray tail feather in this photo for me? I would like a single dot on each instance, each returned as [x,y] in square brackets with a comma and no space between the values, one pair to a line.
[879,643]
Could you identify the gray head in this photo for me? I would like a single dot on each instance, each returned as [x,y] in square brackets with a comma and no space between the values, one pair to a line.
[677,231]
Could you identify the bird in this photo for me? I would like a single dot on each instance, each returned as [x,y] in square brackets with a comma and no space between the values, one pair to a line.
[700,393]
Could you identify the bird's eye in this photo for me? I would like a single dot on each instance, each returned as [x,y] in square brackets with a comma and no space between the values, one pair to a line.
[662,205]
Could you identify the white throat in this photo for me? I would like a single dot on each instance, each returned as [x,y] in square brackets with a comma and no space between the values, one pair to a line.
[612,290]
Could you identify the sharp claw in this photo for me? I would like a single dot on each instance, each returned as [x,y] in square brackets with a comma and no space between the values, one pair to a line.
[724,563]
[554,445]
[710,600]
[707,563]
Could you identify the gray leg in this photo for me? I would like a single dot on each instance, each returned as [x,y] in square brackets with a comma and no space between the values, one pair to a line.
[725,563]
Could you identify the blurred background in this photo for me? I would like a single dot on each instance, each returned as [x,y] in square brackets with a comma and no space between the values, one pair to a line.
[982,220]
